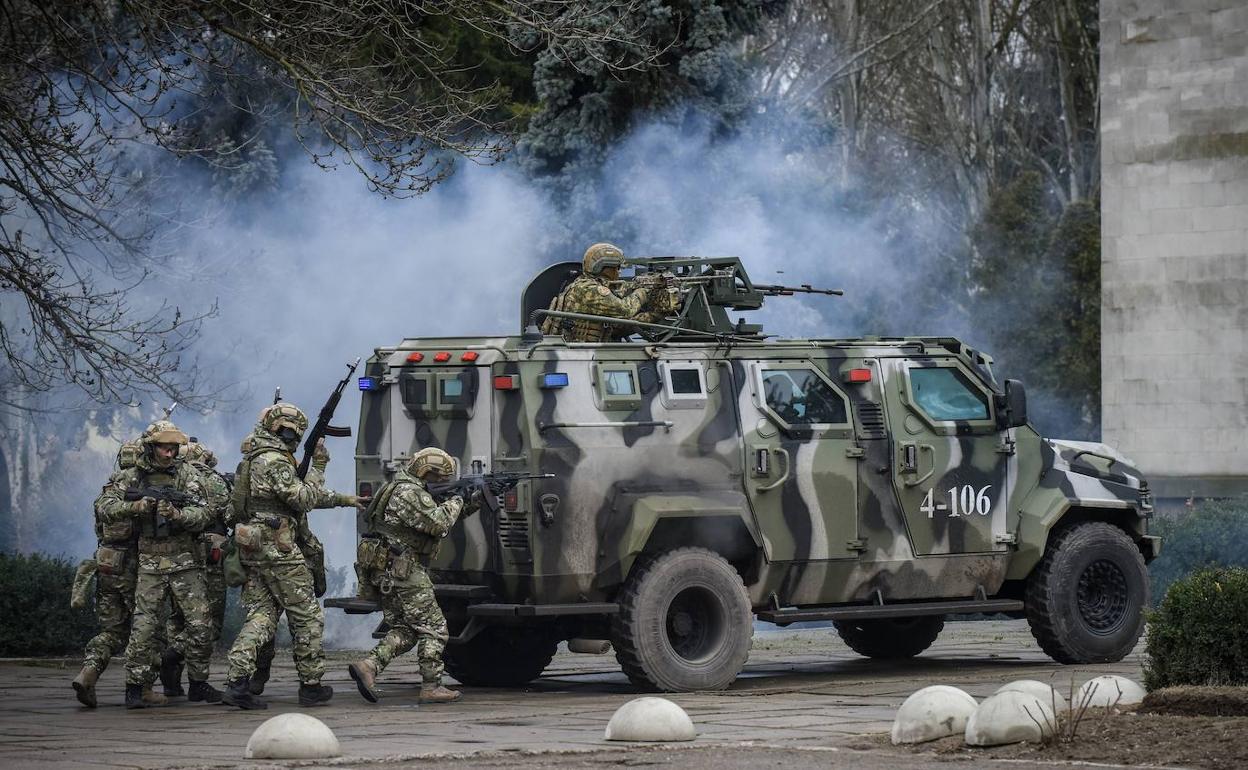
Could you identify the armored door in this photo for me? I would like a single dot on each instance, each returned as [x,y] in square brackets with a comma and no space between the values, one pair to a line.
[952,464]
[800,466]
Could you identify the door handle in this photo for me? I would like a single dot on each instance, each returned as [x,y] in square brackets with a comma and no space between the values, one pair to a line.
[912,455]
[788,466]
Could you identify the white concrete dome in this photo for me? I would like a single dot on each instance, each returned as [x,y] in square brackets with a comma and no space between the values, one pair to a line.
[933,712]
[1046,693]
[1010,717]
[1105,691]
[650,719]
[292,736]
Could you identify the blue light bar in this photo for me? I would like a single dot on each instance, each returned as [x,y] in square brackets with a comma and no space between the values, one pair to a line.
[369,383]
[555,380]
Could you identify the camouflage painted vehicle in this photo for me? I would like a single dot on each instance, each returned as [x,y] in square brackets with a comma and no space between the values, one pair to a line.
[707,475]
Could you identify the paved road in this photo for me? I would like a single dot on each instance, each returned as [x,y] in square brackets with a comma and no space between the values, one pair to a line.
[803,700]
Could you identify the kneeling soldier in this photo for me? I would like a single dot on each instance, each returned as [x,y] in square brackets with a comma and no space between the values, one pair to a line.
[411,525]
[169,565]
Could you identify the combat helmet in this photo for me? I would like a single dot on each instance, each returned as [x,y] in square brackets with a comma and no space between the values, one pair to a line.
[283,415]
[601,256]
[431,459]
[161,432]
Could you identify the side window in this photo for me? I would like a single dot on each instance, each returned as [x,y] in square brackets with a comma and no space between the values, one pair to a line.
[684,384]
[618,382]
[618,385]
[802,397]
[944,393]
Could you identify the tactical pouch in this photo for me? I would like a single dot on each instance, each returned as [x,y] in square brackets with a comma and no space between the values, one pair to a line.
[232,565]
[110,561]
[248,537]
[214,548]
[371,554]
[117,531]
[284,537]
[400,567]
[80,593]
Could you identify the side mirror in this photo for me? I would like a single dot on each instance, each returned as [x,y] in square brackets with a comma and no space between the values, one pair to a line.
[1012,407]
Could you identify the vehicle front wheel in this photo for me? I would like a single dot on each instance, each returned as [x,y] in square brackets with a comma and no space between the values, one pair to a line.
[1086,597]
[684,623]
[890,638]
[501,657]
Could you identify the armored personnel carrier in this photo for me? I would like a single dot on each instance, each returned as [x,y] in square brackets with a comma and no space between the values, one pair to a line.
[706,475]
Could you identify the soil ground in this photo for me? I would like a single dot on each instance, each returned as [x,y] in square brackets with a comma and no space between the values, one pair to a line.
[1131,739]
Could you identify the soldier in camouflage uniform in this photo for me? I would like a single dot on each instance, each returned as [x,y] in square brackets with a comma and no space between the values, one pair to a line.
[169,566]
[591,293]
[117,566]
[273,498]
[211,551]
[411,525]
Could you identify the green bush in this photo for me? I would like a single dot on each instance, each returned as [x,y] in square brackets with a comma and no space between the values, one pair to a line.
[1199,635]
[1213,534]
[35,617]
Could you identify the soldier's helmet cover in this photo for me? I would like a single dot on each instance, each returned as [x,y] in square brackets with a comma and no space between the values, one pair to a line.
[163,432]
[601,256]
[284,415]
[431,459]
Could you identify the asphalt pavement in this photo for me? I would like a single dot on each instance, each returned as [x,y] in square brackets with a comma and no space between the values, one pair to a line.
[804,700]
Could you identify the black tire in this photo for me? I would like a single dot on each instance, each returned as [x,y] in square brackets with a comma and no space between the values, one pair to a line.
[501,657]
[1086,597]
[684,624]
[891,638]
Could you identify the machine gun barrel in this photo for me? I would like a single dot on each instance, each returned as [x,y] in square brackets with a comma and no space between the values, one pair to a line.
[322,427]
[776,290]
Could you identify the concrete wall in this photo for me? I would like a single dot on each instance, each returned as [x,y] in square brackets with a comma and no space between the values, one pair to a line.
[1174,143]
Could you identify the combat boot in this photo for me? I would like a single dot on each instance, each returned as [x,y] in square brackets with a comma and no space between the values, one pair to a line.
[258,681]
[84,686]
[134,697]
[315,694]
[237,693]
[153,698]
[436,693]
[365,676]
[203,692]
[171,672]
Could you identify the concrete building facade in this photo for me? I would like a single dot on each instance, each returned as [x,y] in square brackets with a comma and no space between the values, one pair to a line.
[1174,318]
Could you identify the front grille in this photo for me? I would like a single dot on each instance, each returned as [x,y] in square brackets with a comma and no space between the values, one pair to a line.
[513,529]
[870,419]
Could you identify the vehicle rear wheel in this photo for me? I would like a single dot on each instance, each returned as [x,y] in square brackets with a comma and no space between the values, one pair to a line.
[890,638]
[1086,597]
[501,657]
[685,622]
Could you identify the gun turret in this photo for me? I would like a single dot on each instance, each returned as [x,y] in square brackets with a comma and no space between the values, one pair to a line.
[711,286]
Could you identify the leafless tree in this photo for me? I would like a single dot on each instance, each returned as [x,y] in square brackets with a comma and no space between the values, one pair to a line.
[86,86]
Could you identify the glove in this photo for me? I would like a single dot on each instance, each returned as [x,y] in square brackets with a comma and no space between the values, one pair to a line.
[145,505]
[320,456]
[166,509]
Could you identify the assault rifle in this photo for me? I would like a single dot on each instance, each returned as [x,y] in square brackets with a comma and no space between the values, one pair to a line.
[172,495]
[491,485]
[322,427]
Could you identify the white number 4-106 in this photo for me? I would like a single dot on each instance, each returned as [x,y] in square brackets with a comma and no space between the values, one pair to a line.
[963,501]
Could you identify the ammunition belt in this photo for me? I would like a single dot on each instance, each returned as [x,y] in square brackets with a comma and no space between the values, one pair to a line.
[399,549]
[272,522]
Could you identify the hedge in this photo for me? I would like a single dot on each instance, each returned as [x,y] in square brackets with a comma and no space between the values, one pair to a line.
[1199,635]
[35,617]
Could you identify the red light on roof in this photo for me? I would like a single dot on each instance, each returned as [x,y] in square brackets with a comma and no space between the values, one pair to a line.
[470,356]
[442,357]
[506,382]
[858,375]
[415,358]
